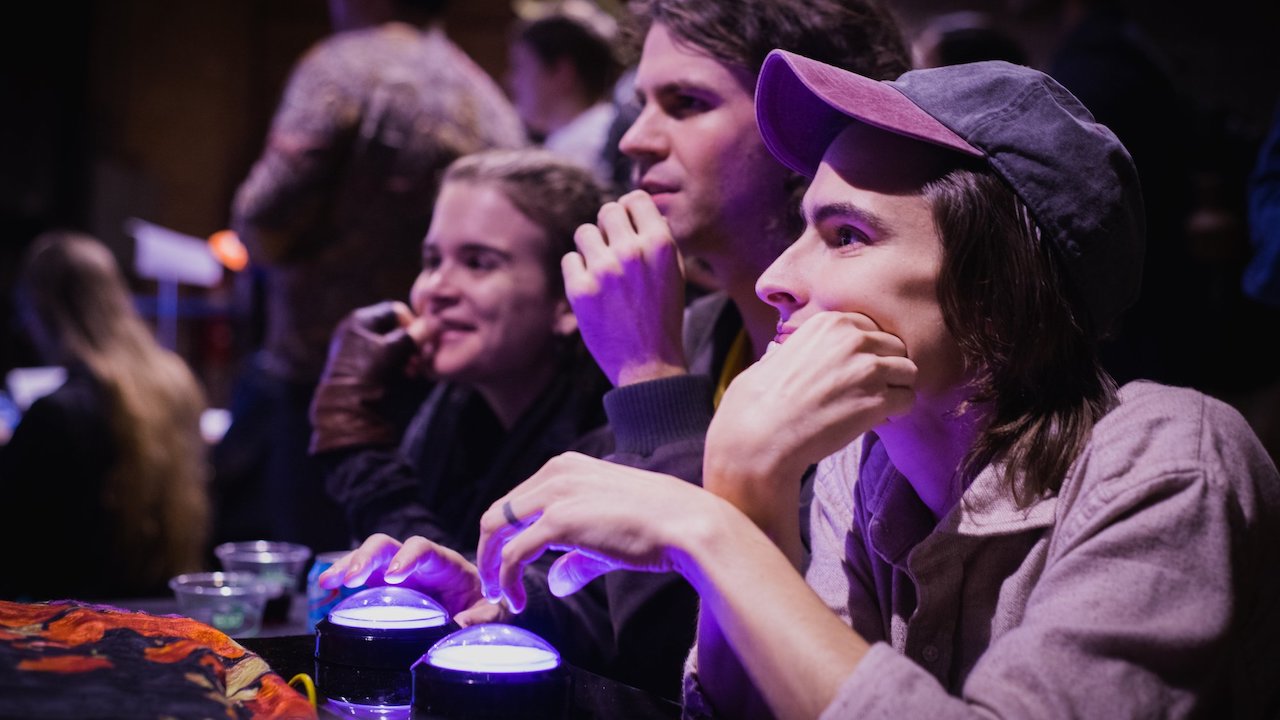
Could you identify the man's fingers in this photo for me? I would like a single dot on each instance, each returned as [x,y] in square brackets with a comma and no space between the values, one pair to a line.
[578,281]
[866,333]
[356,567]
[618,228]
[416,552]
[521,549]
[899,372]
[480,613]
[525,502]
[572,571]
[495,533]
[644,213]
[593,248]
[512,527]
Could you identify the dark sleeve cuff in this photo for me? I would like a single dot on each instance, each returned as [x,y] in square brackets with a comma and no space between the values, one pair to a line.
[648,415]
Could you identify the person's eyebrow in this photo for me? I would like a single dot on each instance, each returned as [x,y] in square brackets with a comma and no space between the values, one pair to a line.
[682,85]
[476,247]
[473,248]
[827,211]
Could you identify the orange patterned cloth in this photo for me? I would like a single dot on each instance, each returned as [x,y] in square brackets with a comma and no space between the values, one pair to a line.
[71,659]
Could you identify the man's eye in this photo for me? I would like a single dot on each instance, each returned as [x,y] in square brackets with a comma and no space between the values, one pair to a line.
[846,235]
[430,262]
[482,262]
[682,105]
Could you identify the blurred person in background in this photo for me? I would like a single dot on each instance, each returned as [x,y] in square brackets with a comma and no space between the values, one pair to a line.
[1194,166]
[1262,277]
[562,74]
[1192,171]
[334,211]
[109,471]
[964,37]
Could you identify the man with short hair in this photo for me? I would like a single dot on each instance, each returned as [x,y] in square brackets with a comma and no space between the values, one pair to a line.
[707,188]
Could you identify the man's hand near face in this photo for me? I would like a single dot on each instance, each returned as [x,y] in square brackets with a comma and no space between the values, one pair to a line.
[627,289]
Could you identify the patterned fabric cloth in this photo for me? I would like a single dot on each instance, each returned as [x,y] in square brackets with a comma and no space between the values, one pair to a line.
[68,659]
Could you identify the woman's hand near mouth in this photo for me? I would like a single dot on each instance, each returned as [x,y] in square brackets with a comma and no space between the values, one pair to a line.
[370,382]
[424,330]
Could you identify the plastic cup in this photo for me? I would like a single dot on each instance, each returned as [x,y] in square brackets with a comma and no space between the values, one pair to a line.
[279,564]
[231,602]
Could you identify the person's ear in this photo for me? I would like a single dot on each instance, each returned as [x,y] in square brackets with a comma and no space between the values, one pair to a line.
[565,322]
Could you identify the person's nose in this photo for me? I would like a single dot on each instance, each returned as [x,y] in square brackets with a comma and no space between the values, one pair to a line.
[434,290]
[781,284]
[647,138]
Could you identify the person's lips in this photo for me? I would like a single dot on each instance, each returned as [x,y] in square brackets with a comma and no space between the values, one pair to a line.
[654,187]
[660,191]
[783,332]
[452,329]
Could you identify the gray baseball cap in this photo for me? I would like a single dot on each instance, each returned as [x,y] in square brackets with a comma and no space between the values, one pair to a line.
[1075,177]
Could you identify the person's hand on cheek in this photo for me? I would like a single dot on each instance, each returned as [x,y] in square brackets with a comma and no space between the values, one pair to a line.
[834,378]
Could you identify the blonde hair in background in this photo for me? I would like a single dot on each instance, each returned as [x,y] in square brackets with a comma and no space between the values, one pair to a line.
[157,493]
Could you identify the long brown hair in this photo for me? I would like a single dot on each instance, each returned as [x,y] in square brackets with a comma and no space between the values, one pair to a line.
[156,494]
[1006,300]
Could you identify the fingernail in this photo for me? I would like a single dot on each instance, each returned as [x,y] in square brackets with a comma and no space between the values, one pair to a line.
[393,568]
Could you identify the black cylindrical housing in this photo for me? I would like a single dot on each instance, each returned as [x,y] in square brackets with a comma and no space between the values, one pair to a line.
[461,695]
[371,666]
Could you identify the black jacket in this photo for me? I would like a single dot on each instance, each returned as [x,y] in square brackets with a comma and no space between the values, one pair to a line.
[52,471]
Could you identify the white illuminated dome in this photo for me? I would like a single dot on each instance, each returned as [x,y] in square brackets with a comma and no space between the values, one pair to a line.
[494,648]
[388,608]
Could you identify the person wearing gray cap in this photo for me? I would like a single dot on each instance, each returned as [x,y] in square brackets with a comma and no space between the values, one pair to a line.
[998,530]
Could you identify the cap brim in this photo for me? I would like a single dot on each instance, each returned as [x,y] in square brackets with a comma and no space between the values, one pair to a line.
[803,104]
